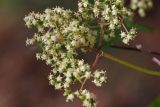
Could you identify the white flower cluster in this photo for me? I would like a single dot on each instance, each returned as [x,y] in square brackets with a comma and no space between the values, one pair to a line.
[126,37]
[85,96]
[141,6]
[60,34]
[110,12]
[99,78]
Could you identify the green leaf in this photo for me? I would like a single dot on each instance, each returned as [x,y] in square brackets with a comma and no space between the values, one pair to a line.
[116,39]
[91,1]
[140,27]
[155,103]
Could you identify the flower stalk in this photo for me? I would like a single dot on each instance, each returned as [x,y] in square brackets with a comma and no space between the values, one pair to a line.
[132,66]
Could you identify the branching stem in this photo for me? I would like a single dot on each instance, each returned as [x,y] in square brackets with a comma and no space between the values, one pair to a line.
[133,49]
[125,28]
[101,24]
[125,63]
[135,67]
[96,61]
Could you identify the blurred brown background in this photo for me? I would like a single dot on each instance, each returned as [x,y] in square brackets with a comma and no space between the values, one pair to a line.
[23,79]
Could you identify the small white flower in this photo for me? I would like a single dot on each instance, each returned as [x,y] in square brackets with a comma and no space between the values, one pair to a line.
[68,80]
[66,85]
[97,83]
[97,74]
[54,38]
[80,10]
[44,56]
[76,74]
[59,78]
[80,62]
[77,93]
[58,86]
[115,21]
[87,75]
[96,11]
[74,43]
[48,62]
[88,96]
[30,41]
[125,41]
[102,79]
[86,103]
[133,31]
[54,71]
[99,78]
[38,56]
[85,3]
[80,4]
[114,10]
[50,77]
[82,68]
[112,26]
[51,82]
[68,74]
[123,34]
[70,97]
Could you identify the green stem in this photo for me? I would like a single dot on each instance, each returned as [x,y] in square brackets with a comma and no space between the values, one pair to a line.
[135,67]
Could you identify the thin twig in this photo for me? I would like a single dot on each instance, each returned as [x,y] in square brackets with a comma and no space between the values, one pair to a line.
[127,64]
[100,36]
[83,84]
[134,49]
[97,51]
[96,61]
[92,68]
[135,67]
[125,28]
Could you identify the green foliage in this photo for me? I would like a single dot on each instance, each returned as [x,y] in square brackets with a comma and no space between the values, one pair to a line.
[140,27]
[91,1]
[155,103]
[116,39]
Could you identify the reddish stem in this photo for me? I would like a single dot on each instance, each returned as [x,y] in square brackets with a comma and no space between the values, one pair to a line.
[95,61]
[100,36]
